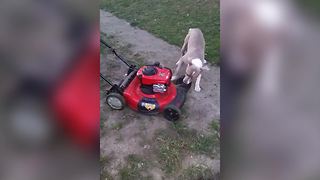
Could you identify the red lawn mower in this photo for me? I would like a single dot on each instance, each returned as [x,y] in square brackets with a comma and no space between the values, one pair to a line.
[148,90]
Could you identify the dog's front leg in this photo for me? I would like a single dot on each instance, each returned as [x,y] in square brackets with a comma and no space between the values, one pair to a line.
[176,71]
[197,85]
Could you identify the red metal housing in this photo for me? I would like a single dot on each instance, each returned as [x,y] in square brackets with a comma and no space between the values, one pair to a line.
[162,76]
[154,102]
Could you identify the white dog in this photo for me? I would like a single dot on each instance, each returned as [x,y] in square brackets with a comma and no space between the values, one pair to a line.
[192,51]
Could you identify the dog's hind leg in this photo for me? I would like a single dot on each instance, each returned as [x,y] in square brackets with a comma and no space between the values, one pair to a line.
[197,84]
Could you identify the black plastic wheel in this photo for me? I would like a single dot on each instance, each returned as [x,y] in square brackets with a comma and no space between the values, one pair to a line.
[115,101]
[172,113]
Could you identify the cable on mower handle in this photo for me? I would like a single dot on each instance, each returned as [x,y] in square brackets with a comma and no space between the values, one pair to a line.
[115,53]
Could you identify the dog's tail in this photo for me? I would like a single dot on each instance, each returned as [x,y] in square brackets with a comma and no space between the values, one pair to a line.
[185,45]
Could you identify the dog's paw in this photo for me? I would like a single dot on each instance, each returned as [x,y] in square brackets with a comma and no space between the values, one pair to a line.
[197,89]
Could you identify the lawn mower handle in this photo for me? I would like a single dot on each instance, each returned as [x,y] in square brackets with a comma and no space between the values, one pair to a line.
[109,82]
[115,53]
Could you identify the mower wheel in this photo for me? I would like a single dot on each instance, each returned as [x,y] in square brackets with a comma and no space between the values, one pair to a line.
[115,101]
[172,113]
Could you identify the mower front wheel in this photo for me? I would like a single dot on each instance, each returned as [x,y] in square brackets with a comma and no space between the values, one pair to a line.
[115,101]
[172,113]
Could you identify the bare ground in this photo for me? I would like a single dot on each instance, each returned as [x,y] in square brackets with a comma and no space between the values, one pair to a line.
[125,132]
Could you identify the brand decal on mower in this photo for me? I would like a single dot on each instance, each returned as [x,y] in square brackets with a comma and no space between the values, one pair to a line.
[149,106]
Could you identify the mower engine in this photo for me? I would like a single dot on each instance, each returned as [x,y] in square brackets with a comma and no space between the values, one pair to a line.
[159,88]
[154,79]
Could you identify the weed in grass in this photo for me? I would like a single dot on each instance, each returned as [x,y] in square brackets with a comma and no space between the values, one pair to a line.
[104,160]
[195,142]
[169,152]
[134,168]
[117,126]
[102,121]
[215,128]
[209,144]
[182,130]
[197,172]
[204,144]
[215,125]
[178,126]
[104,174]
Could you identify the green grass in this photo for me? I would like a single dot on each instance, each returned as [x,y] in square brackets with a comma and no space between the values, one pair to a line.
[169,152]
[169,147]
[101,123]
[203,144]
[196,172]
[171,19]
[174,143]
[117,126]
[134,168]
[104,160]
[310,7]
[104,174]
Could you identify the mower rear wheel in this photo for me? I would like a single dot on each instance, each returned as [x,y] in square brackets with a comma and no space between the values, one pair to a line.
[172,113]
[115,101]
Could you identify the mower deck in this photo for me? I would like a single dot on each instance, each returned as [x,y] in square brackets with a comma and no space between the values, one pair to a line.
[154,103]
[148,90]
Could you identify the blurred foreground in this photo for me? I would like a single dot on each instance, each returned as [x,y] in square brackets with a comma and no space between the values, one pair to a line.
[270,85]
[49,84]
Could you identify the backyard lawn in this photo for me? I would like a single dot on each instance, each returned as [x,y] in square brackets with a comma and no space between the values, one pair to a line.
[171,19]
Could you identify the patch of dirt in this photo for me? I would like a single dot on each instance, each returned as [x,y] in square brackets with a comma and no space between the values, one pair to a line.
[137,130]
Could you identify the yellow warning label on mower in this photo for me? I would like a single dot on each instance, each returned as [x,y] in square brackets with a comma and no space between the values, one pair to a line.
[149,106]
